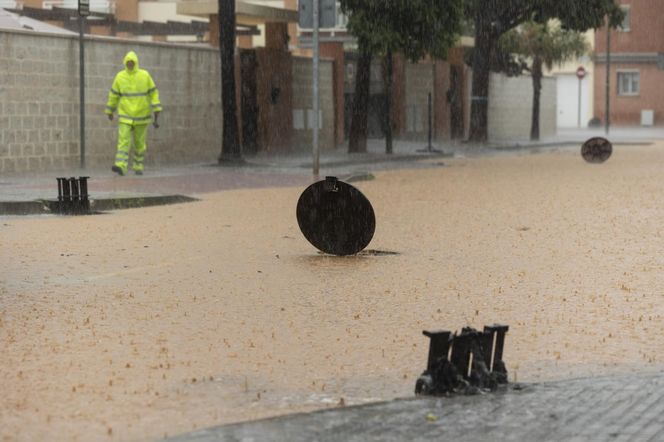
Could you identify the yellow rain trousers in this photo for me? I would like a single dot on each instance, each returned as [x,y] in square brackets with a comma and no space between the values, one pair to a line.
[135,97]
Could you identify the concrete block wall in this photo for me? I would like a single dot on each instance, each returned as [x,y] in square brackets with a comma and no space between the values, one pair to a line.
[419,83]
[510,108]
[302,103]
[39,101]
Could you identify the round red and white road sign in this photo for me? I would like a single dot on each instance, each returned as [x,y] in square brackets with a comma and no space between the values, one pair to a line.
[580,72]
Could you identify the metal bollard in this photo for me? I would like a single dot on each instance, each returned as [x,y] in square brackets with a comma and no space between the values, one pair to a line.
[499,332]
[83,188]
[60,205]
[462,347]
[74,206]
[439,345]
[66,196]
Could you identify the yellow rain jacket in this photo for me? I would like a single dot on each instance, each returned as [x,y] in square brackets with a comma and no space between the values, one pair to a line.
[133,94]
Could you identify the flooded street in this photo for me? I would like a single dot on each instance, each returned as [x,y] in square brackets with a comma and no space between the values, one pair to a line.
[150,322]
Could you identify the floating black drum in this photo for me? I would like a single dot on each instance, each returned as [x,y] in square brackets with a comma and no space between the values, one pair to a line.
[336,217]
[596,150]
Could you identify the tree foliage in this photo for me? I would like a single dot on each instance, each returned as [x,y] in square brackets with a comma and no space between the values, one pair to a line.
[411,27]
[414,28]
[493,18]
[535,45]
[578,15]
[546,42]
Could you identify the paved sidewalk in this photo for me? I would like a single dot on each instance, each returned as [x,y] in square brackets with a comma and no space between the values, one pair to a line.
[257,172]
[616,408]
[294,169]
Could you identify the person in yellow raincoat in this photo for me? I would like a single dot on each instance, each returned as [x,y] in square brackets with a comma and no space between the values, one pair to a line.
[135,97]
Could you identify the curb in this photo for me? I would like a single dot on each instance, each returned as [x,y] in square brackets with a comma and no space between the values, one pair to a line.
[45,207]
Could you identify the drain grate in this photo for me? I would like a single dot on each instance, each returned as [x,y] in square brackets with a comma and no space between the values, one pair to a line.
[372,252]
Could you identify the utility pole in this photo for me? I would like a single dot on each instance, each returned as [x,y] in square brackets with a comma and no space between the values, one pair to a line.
[83,11]
[316,101]
[607,123]
[580,74]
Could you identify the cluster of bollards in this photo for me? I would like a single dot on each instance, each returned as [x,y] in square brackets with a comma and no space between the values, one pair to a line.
[72,196]
[466,363]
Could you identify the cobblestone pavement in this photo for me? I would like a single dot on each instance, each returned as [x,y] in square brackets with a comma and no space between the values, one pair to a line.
[615,408]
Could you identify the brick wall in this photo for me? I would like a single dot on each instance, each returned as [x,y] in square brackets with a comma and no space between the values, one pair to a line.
[626,109]
[646,33]
[638,49]
[510,108]
[302,104]
[39,112]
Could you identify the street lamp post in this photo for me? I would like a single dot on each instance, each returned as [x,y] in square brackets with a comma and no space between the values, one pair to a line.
[316,101]
[608,78]
[83,11]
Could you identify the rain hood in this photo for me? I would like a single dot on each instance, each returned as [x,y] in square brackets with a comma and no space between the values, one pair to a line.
[131,56]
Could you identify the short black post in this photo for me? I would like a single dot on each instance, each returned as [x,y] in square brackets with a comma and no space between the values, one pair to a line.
[60,206]
[66,196]
[61,186]
[74,206]
[439,345]
[461,350]
[331,184]
[500,331]
[430,147]
[486,342]
[83,188]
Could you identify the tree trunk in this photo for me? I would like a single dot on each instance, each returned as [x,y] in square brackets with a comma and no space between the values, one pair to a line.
[357,142]
[231,150]
[537,92]
[479,104]
[389,79]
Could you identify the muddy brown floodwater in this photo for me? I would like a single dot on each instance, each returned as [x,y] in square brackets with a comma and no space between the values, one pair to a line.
[151,322]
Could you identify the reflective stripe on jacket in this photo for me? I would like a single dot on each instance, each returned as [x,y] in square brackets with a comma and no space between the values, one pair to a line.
[133,94]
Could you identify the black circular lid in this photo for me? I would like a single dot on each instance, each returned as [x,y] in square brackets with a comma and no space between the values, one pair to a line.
[336,217]
[596,150]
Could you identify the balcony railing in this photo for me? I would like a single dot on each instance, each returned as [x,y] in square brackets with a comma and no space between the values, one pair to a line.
[103,6]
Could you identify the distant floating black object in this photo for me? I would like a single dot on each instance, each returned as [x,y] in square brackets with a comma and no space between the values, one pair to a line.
[336,217]
[596,150]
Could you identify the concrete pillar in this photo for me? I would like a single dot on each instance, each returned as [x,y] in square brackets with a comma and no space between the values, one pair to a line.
[33,3]
[292,27]
[336,52]
[276,36]
[399,95]
[442,107]
[214,30]
[126,10]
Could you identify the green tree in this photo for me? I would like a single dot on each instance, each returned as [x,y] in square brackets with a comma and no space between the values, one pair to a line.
[385,27]
[542,44]
[493,18]
[231,150]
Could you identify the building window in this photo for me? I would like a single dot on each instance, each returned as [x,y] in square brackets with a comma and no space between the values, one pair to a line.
[626,24]
[342,20]
[628,83]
